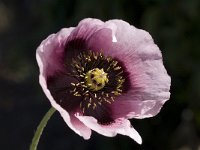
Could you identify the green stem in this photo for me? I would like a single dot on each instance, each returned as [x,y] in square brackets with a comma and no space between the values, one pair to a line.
[40,128]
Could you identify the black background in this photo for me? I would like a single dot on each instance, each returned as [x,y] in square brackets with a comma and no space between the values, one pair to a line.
[175,27]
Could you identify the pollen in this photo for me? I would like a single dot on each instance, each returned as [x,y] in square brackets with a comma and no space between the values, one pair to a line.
[96,79]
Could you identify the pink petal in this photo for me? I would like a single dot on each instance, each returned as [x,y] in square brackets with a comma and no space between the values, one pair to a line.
[121,126]
[142,58]
[50,52]
[136,109]
[80,127]
[101,40]
[48,57]
[86,28]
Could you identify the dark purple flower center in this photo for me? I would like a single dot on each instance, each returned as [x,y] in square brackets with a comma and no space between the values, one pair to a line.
[100,80]
[89,83]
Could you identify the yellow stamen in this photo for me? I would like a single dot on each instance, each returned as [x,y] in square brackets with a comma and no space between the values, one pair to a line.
[96,79]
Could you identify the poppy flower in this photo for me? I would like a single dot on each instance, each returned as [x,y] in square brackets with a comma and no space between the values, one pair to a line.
[100,74]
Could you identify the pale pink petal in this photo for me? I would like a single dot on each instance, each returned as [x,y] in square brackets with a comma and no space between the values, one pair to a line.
[48,57]
[101,40]
[142,58]
[136,109]
[80,127]
[121,126]
[150,90]
[50,52]
[79,39]
[86,28]
[71,122]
